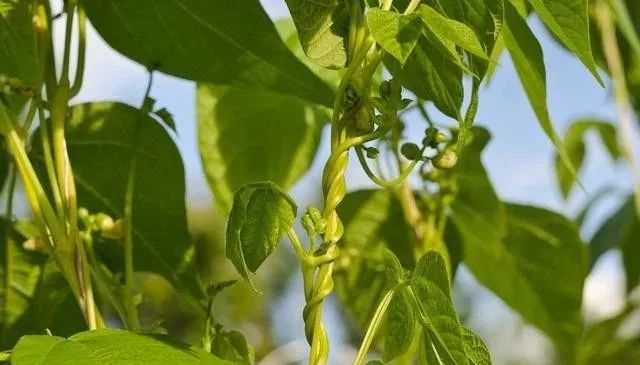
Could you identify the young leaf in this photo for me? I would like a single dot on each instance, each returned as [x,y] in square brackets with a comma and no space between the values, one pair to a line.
[256,225]
[620,230]
[211,46]
[574,143]
[108,347]
[395,33]
[477,352]
[485,17]
[529,63]
[233,346]
[453,30]
[373,222]
[432,75]
[322,28]
[569,21]
[103,139]
[229,119]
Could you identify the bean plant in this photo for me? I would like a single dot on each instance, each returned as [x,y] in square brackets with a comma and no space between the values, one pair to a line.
[105,182]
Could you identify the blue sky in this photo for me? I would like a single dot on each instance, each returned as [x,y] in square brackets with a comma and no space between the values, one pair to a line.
[519,158]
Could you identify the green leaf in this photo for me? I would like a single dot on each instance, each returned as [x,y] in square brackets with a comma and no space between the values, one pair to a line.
[395,33]
[52,307]
[529,63]
[108,347]
[233,346]
[256,225]
[432,75]
[19,274]
[453,30]
[230,119]
[519,252]
[569,21]
[17,41]
[620,230]
[608,343]
[477,352]
[214,43]
[625,24]
[430,283]
[322,29]
[373,222]
[400,327]
[103,140]
[574,143]
[485,17]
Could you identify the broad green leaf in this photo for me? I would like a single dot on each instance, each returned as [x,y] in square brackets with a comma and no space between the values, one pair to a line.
[518,252]
[256,225]
[212,41]
[574,143]
[254,135]
[523,269]
[459,33]
[108,347]
[373,222]
[529,63]
[400,328]
[430,283]
[432,75]
[233,346]
[103,140]
[621,230]
[19,274]
[569,21]
[395,33]
[4,165]
[322,27]
[477,352]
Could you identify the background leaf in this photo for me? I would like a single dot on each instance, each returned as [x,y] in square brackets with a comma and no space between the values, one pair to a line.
[400,329]
[529,63]
[574,143]
[519,252]
[477,352]
[569,21]
[102,139]
[621,230]
[229,119]
[198,40]
[373,222]
[322,29]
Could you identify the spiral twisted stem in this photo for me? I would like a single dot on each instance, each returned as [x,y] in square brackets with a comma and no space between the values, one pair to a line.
[334,190]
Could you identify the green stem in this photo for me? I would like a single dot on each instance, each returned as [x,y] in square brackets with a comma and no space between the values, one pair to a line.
[376,320]
[614,61]
[82,46]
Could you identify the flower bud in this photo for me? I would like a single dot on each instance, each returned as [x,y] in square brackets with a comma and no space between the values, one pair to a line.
[372,152]
[410,151]
[446,160]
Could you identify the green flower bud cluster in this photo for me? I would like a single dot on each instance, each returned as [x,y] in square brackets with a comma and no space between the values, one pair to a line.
[313,222]
[12,85]
[100,223]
